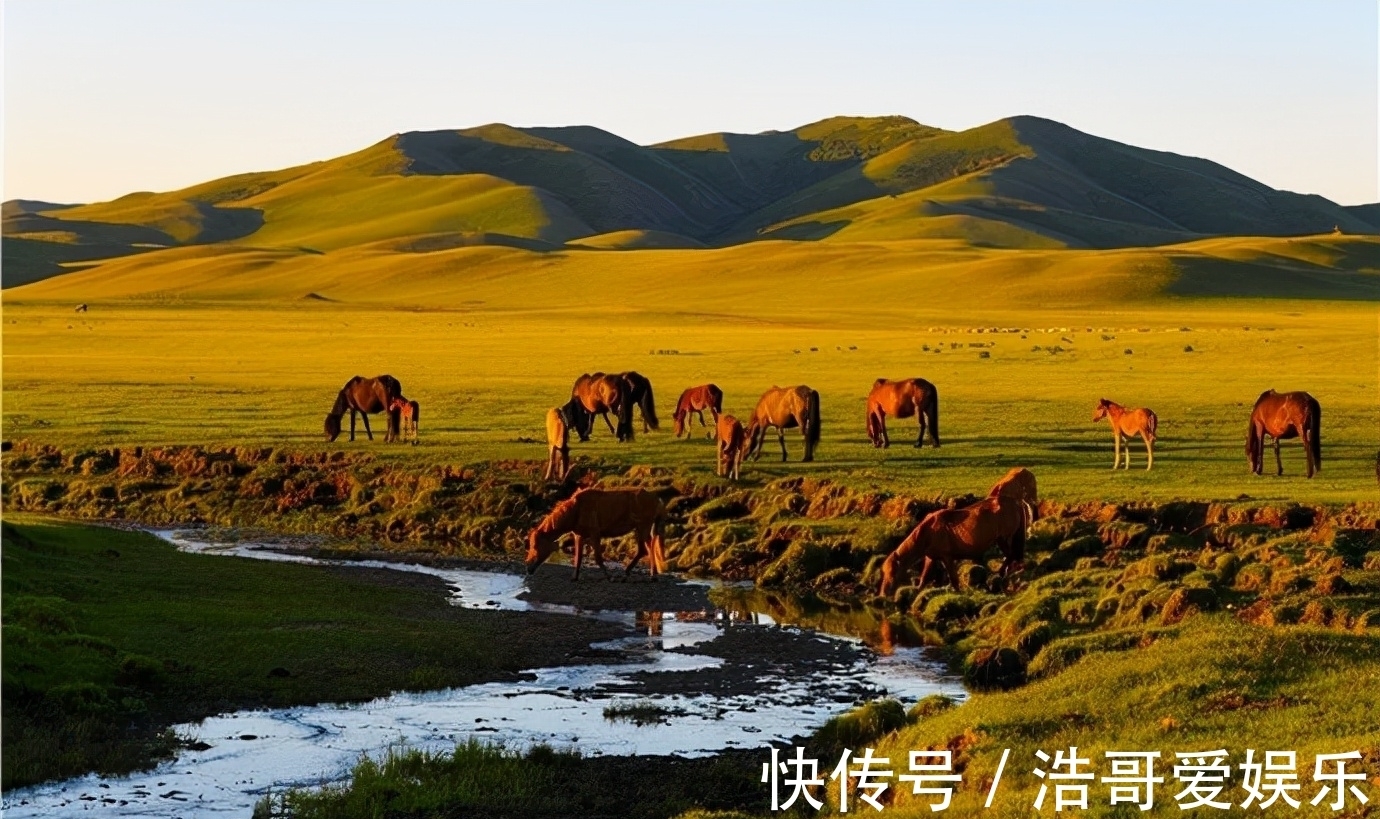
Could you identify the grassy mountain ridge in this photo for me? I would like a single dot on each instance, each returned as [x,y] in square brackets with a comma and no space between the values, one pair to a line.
[1018,183]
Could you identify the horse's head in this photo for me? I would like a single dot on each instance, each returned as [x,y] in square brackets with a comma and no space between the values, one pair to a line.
[1101,411]
[890,575]
[332,426]
[541,544]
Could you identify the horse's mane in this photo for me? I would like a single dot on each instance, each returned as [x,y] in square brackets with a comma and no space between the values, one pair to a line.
[561,517]
[342,401]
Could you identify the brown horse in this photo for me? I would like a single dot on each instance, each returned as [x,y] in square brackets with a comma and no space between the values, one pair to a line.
[1126,424]
[950,535]
[601,394]
[902,399]
[557,445]
[785,408]
[1020,484]
[697,400]
[593,514]
[409,414]
[1285,415]
[731,441]
[364,396]
[640,394]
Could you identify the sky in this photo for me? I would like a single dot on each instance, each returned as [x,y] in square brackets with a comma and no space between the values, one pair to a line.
[104,98]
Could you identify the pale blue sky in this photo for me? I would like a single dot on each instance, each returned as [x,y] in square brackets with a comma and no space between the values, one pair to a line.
[103,98]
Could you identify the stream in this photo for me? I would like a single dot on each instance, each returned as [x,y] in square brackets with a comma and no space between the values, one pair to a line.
[669,662]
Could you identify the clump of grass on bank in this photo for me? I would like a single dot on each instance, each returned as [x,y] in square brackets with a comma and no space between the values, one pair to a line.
[110,636]
[487,780]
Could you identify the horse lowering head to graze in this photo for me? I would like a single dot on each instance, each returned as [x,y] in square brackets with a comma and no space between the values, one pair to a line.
[601,394]
[365,396]
[902,399]
[409,415]
[951,535]
[785,408]
[697,400]
[640,394]
[731,443]
[557,445]
[1285,415]
[1126,423]
[593,514]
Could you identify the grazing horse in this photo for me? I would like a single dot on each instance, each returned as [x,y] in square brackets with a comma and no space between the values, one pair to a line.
[1126,424]
[409,414]
[559,422]
[697,400]
[731,441]
[950,535]
[784,408]
[1020,484]
[593,514]
[601,394]
[1285,415]
[902,399]
[640,394]
[364,396]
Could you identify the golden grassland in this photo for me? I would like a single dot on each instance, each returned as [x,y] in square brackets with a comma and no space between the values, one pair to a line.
[221,344]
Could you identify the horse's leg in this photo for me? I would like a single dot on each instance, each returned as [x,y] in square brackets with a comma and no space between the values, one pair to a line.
[924,572]
[1116,447]
[637,555]
[364,416]
[1279,465]
[920,419]
[1149,451]
[352,424]
[579,556]
[609,423]
[952,568]
[781,437]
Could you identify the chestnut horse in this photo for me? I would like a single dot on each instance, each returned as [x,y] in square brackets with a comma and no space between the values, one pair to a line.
[557,444]
[601,394]
[902,399]
[950,535]
[364,396]
[697,400]
[593,514]
[1285,415]
[409,413]
[785,408]
[1126,424]
[731,441]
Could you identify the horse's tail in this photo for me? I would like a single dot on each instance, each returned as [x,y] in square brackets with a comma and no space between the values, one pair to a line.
[1314,421]
[716,399]
[681,413]
[872,431]
[812,413]
[648,404]
[932,415]
[1152,424]
[342,402]
[416,416]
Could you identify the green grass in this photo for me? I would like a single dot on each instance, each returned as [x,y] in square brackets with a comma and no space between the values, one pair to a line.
[264,374]
[1220,684]
[110,636]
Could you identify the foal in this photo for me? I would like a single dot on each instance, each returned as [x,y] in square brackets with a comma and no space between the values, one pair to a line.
[409,413]
[1128,423]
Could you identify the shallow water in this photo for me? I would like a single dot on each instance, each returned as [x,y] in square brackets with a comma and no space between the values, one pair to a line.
[253,752]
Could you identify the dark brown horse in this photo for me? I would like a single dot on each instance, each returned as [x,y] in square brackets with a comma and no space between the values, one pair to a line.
[950,535]
[601,394]
[640,393]
[902,399]
[1285,415]
[697,400]
[364,396]
[785,408]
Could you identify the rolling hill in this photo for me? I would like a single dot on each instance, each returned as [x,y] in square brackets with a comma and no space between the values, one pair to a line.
[1022,183]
